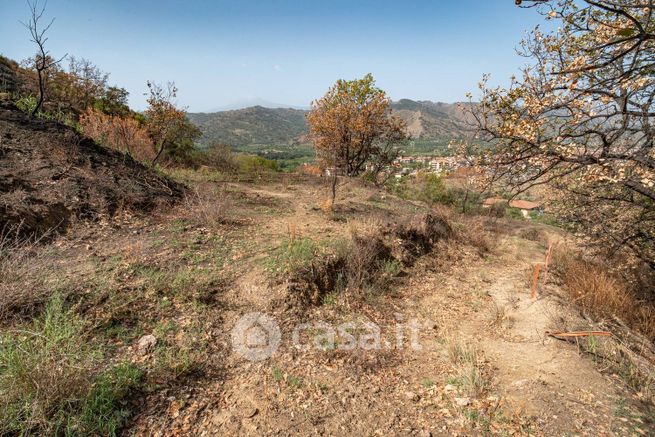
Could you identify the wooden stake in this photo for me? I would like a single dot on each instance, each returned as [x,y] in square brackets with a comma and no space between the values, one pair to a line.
[549,254]
[535,281]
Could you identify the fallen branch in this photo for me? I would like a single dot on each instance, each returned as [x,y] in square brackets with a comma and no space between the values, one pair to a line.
[564,335]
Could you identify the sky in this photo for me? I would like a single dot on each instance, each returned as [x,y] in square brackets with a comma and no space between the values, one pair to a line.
[219,52]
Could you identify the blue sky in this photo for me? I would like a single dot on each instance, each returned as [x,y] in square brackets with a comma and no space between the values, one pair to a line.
[286,51]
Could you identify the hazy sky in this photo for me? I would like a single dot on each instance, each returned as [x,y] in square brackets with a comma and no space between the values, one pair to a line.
[285,51]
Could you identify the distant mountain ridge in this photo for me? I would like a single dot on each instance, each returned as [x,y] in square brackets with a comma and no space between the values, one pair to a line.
[250,103]
[258,125]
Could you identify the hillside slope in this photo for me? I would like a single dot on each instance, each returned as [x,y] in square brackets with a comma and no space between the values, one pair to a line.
[427,121]
[50,175]
[252,126]
[166,294]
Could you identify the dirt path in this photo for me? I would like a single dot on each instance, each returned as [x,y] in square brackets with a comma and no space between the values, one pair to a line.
[547,384]
[484,365]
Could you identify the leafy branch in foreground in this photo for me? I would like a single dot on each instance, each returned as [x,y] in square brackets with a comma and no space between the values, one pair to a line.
[580,121]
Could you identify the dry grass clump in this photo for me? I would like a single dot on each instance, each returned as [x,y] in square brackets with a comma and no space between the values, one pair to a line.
[327,205]
[532,234]
[27,275]
[210,207]
[476,234]
[368,264]
[419,236]
[605,296]
[469,368]
[363,265]
[358,266]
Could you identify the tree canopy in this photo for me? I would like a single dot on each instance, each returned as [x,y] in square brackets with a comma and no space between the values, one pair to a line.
[352,126]
[579,119]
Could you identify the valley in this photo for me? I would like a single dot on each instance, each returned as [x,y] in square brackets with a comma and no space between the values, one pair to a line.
[282,134]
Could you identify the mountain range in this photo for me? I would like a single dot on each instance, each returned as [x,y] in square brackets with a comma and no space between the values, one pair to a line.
[249,103]
[427,122]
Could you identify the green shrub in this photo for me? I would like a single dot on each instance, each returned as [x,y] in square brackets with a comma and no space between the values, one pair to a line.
[514,213]
[256,164]
[217,157]
[26,104]
[426,187]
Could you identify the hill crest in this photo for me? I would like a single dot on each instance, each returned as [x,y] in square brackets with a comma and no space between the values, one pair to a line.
[258,125]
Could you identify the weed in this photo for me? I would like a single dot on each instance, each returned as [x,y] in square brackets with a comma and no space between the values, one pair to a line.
[294,382]
[291,255]
[469,367]
[48,384]
[277,374]
[103,411]
[499,316]
[330,299]
[427,383]
[181,352]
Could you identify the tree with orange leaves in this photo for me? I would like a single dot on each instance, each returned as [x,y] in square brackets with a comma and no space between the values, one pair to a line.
[118,132]
[168,126]
[580,119]
[353,130]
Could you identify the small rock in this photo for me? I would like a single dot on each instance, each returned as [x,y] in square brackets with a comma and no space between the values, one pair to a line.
[449,387]
[412,396]
[249,413]
[463,402]
[146,344]
[425,433]
[520,382]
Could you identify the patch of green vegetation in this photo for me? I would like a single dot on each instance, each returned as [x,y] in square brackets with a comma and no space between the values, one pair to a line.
[291,255]
[49,383]
[330,299]
[545,218]
[391,268]
[514,213]
[277,374]
[103,411]
[178,225]
[256,164]
[164,328]
[287,157]
[428,147]
[180,351]
[427,383]
[470,372]
[294,382]
[432,188]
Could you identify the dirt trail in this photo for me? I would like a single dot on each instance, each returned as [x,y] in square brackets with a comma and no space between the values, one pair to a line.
[534,375]
[526,383]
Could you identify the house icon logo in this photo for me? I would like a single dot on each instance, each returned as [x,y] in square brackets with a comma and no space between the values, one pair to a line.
[256,336]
